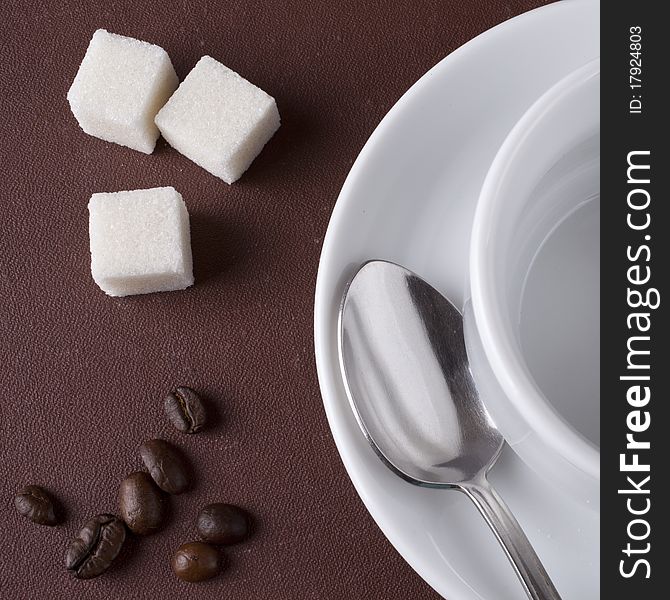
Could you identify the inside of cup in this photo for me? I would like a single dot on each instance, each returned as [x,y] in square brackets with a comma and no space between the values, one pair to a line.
[545,256]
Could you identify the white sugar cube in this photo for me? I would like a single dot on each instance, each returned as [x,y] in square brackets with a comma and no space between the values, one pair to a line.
[120,86]
[140,241]
[218,119]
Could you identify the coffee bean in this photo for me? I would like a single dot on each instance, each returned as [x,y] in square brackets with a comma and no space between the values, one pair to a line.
[95,547]
[141,503]
[196,561]
[185,410]
[221,523]
[35,503]
[167,466]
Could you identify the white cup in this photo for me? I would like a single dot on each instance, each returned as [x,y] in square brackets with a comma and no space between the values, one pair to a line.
[532,322]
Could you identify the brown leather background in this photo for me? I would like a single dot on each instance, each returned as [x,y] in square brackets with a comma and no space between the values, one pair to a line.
[83,375]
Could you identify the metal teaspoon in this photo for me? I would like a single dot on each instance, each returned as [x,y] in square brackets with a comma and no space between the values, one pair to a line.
[407,375]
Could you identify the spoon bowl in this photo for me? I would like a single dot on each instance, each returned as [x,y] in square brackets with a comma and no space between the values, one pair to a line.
[410,388]
[407,376]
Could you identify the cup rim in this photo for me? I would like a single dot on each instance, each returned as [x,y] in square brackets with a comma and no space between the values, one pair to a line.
[520,389]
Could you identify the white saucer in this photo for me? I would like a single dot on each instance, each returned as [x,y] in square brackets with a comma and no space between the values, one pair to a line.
[410,198]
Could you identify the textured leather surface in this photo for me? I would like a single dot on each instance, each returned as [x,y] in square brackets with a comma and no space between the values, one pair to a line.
[83,375]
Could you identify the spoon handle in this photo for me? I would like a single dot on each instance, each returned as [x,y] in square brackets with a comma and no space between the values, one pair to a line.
[518,549]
